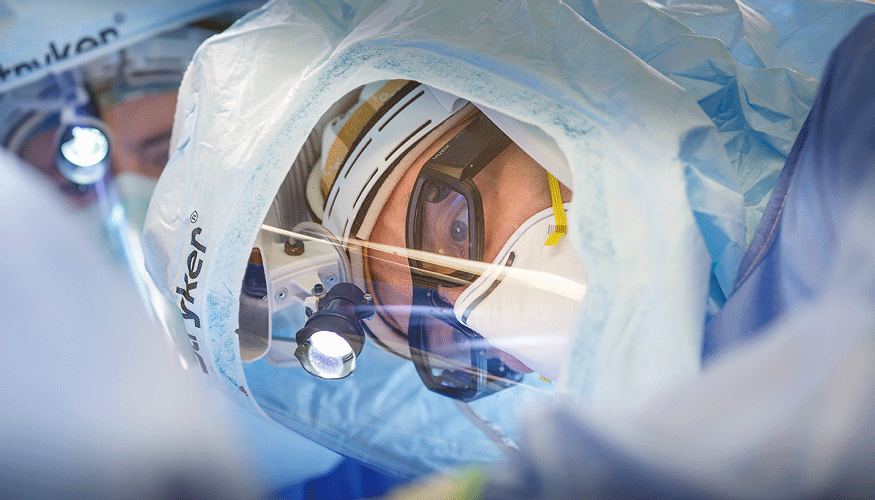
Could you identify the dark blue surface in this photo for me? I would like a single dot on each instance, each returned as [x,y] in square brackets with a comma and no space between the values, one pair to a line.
[829,165]
[349,480]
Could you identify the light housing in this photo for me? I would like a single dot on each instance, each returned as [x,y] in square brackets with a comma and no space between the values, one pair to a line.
[333,336]
[83,150]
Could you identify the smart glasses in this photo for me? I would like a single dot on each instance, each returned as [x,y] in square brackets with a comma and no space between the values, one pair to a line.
[445,224]
[445,213]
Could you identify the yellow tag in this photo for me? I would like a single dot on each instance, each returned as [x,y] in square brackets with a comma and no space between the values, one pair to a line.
[545,379]
[558,212]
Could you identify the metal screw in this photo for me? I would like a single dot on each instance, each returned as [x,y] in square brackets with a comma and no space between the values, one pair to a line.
[331,278]
[318,289]
[308,312]
[370,303]
[294,247]
[281,294]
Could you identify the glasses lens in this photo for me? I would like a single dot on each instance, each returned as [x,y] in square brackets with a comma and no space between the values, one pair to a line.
[446,363]
[447,347]
[445,226]
[450,359]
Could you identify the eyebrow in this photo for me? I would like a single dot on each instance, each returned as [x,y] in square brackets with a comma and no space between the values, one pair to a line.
[158,138]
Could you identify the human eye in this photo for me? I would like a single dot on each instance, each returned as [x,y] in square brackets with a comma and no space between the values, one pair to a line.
[444,226]
[459,227]
[456,226]
[153,153]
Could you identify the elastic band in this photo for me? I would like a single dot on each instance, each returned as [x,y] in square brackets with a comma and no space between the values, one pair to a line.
[558,212]
[352,130]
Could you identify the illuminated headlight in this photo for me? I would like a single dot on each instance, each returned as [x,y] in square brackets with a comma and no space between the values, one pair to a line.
[333,337]
[83,153]
[326,355]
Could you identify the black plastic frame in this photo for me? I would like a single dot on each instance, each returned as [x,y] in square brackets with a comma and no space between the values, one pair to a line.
[455,166]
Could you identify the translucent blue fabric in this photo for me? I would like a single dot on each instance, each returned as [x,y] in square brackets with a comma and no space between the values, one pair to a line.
[784,408]
[752,66]
[810,219]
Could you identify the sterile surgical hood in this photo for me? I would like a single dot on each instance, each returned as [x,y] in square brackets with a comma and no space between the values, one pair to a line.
[660,186]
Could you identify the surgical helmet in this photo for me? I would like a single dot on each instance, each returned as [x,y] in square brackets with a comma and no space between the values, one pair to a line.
[154,65]
[435,231]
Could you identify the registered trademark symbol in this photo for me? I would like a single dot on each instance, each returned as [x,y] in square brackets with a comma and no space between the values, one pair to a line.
[119,17]
[193,217]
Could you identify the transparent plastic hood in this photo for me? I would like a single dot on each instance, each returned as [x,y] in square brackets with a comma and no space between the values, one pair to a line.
[656,215]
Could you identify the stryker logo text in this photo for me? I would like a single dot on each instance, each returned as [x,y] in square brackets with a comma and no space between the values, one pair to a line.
[190,281]
[58,52]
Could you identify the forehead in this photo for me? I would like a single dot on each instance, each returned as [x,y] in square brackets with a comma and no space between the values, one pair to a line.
[389,275]
[138,119]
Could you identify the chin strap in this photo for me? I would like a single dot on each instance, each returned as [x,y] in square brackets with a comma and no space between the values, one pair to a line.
[561,226]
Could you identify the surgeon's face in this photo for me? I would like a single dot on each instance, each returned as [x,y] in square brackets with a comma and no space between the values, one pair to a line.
[513,188]
[141,128]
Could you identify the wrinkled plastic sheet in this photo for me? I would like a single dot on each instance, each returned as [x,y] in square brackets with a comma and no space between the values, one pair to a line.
[37,38]
[753,67]
[670,122]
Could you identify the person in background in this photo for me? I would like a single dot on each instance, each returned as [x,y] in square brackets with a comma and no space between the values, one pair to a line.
[132,93]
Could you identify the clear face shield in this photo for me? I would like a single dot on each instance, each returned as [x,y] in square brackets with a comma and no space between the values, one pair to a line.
[436,270]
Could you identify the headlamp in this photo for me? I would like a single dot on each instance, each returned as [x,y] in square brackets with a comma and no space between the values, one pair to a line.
[82,142]
[304,270]
[82,154]
[333,336]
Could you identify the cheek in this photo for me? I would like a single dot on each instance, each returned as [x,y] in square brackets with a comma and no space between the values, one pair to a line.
[391,286]
[389,276]
[124,160]
[511,195]
[451,295]
[40,153]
